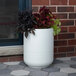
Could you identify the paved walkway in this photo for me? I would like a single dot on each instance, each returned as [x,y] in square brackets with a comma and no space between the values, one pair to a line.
[60,67]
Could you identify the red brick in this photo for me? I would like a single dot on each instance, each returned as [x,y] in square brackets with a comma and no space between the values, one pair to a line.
[61,16]
[65,9]
[72,29]
[66,36]
[11,58]
[60,55]
[55,50]
[64,29]
[72,2]
[67,22]
[75,22]
[3,59]
[66,49]
[75,50]
[58,2]
[75,9]
[53,9]
[15,58]
[55,37]
[72,15]
[71,54]
[60,43]
[40,2]
[72,42]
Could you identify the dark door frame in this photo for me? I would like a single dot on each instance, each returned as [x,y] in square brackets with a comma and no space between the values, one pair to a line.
[19,41]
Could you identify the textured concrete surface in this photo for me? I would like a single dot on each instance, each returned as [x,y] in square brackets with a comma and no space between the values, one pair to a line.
[60,67]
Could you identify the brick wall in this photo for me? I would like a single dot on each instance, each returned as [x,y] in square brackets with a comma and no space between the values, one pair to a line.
[65,10]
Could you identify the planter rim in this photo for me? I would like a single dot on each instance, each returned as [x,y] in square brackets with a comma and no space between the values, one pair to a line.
[44,29]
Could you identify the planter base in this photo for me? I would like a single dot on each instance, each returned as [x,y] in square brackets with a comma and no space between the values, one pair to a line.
[38,67]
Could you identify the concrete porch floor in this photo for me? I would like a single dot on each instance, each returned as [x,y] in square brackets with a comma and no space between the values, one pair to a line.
[60,67]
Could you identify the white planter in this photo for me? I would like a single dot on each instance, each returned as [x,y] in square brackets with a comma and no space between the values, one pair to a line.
[39,48]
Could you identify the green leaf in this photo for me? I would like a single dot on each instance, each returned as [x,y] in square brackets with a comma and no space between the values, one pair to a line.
[56,26]
[56,29]
[57,22]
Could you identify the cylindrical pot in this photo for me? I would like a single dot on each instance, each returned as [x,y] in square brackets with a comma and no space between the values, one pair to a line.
[39,48]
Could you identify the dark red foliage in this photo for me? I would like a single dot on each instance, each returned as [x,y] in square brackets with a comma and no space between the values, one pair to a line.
[44,18]
[41,9]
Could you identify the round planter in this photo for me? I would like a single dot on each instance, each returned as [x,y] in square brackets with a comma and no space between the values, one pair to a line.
[38,48]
